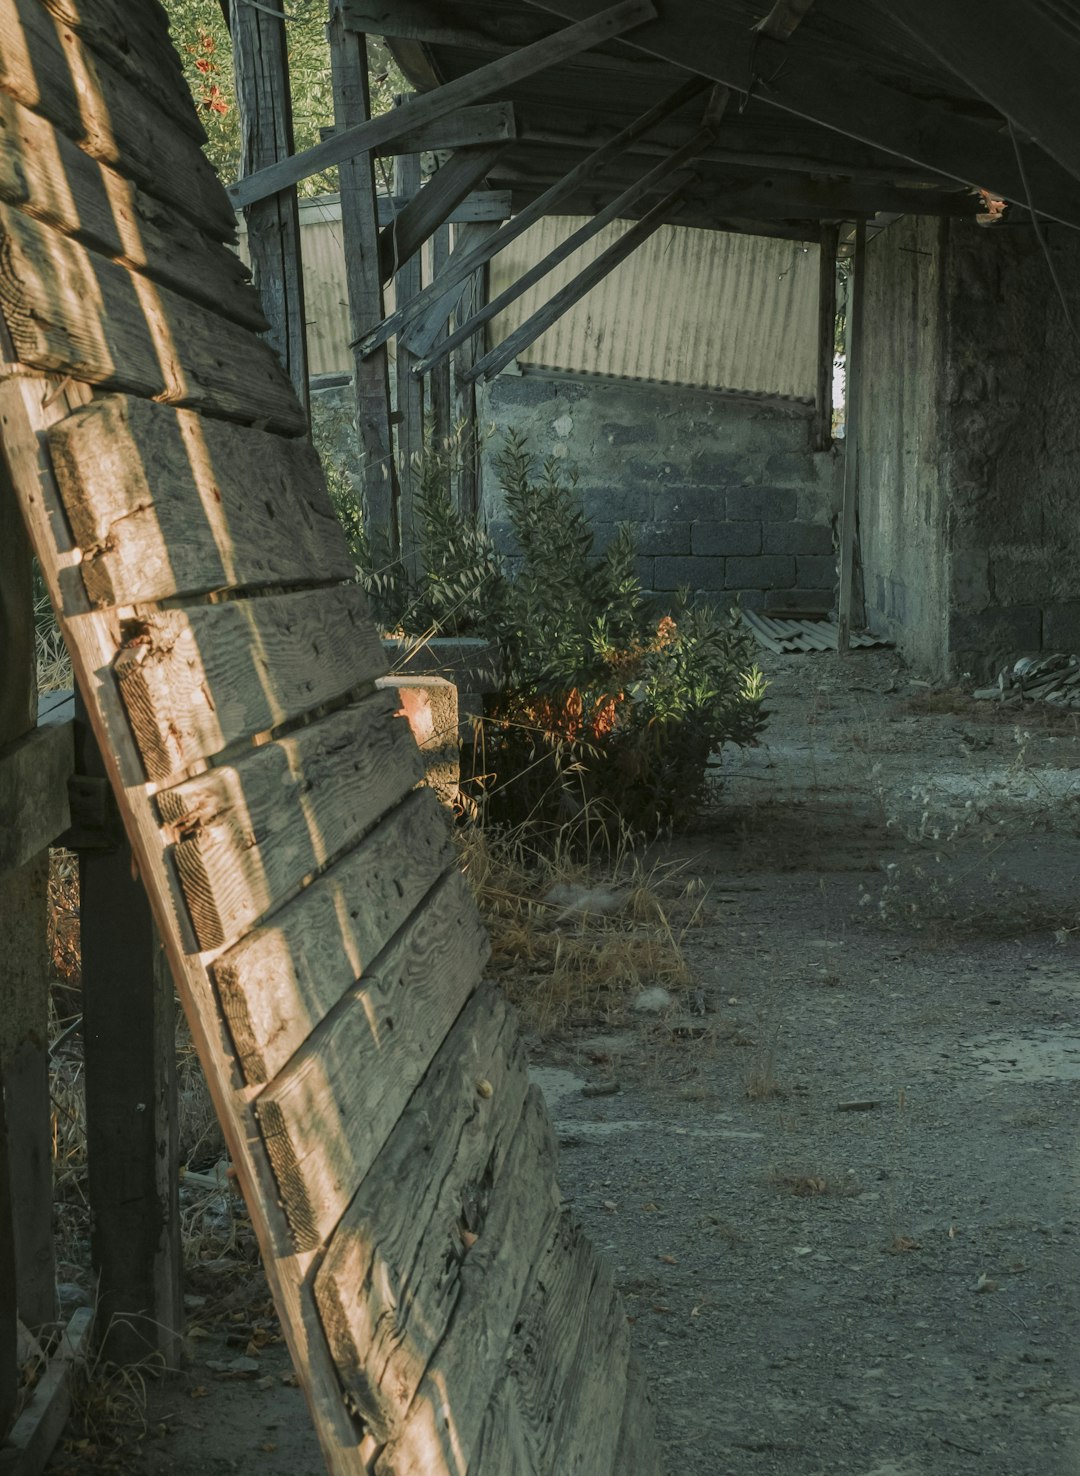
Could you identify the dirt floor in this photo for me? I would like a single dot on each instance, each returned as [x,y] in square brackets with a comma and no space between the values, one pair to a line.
[838,1178]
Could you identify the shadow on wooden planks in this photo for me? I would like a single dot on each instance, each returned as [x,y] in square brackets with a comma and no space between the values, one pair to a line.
[442,1312]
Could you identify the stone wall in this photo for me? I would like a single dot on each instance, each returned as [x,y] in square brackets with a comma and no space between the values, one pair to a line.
[970,445]
[725,496]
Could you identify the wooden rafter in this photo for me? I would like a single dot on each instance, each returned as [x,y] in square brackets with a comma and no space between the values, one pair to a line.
[429,106]
[1022,59]
[460,269]
[848,100]
[575,290]
[433,205]
[654,179]
[783,19]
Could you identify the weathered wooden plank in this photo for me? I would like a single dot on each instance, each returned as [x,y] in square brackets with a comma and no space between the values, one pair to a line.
[560,302]
[465,263]
[567,1362]
[165,502]
[129,1068]
[433,204]
[442,1429]
[439,384]
[264,99]
[849,514]
[49,177]
[134,40]
[9,1298]
[638,1453]
[389,1283]
[425,108]
[28,405]
[35,1433]
[196,680]
[283,978]
[248,834]
[69,309]
[45,65]
[363,285]
[33,793]
[322,1123]
[826,338]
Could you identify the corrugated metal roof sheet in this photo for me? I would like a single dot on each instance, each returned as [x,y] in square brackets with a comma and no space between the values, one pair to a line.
[688,307]
[784,634]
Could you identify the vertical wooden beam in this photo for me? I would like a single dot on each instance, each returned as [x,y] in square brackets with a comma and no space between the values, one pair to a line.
[9,1371]
[129,1044]
[469,353]
[439,383]
[261,66]
[826,337]
[410,390]
[24,962]
[363,280]
[851,438]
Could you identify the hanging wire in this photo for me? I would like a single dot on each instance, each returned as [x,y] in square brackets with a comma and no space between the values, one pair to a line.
[1039,234]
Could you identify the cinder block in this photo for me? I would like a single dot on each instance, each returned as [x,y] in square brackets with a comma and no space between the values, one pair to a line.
[726,538]
[629,435]
[790,467]
[796,538]
[773,504]
[770,571]
[980,644]
[693,573]
[430,705]
[694,504]
[817,572]
[622,504]
[662,538]
[502,536]
[718,468]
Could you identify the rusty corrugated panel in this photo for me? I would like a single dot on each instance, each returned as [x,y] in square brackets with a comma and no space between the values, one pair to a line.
[689,307]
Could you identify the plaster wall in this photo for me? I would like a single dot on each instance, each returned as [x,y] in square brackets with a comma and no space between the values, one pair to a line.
[725,496]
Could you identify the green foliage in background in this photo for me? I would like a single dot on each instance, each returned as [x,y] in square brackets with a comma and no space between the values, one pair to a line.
[201,36]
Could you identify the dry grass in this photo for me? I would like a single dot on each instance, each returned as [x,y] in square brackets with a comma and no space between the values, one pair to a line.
[573,938]
[813,1185]
[761,1084]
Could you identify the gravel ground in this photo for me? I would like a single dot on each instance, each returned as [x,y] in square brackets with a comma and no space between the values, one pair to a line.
[841,1202]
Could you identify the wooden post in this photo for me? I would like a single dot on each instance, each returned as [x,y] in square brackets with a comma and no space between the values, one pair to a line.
[24,960]
[9,1370]
[826,345]
[363,281]
[440,379]
[129,1044]
[410,390]
[851,439]
[469,353]
[261,65]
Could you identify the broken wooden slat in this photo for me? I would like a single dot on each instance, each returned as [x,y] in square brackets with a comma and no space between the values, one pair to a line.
[410,390]
[426,107]
[560,302]
[163,502]
[281,979]
[433,204]
[196,680]
[322,1122]
[638,1453]
[388,1284]
[49,176]
[33,793]
[247,835]
[70,309]
[653,178]
[442,1430]
[826,338]
[35,1433]
[561,1404]
[45,65]
[463,265]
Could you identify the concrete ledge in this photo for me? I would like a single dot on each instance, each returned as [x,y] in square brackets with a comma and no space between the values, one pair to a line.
[430,705]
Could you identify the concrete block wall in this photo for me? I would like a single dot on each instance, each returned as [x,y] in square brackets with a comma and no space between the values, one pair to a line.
[725,496]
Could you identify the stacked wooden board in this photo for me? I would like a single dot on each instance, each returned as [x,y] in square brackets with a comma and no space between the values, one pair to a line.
[443,1313]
